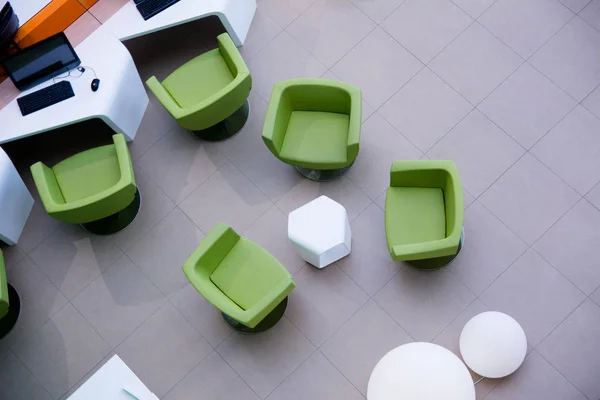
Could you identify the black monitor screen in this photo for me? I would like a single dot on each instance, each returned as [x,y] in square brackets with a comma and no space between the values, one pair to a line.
[41,61]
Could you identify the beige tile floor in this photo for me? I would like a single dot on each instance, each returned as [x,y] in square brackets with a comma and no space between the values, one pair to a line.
[509,89]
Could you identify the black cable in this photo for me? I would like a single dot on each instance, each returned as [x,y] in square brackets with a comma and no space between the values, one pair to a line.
[81,69]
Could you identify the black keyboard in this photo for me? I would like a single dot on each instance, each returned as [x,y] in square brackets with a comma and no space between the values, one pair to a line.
[149,8]
[45,97]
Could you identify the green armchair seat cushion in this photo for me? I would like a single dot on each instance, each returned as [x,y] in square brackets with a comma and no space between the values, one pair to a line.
[314,123]
[246,273]
[317,138]
[88,186]
[417,215]
[423,210]
[210,72]
[4,303]
[207,89]
[238,276]
[87,173]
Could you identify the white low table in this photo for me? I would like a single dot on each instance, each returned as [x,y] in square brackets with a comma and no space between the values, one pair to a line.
[320,231]
[423,371]
[15,201]
[109,381]
[235,15]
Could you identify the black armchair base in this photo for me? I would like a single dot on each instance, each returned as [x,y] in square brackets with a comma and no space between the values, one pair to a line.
[118,221]
[10,319]
[227,128]
[439,262]
[270,320]
[323,175]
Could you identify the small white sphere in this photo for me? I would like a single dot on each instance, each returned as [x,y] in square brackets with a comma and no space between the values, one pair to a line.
[423,371]
[493,344]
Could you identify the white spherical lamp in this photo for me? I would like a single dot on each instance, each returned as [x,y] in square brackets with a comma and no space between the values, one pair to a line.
[423,371]
[493,344]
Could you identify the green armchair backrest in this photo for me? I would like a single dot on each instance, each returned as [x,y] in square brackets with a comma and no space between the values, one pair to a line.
[92,208]
[307,94]
[220,105]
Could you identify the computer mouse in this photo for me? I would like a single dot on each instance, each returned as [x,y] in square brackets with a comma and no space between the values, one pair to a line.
[95,84]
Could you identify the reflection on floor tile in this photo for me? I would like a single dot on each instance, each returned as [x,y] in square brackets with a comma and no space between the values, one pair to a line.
[540,297]
[264,370]
[571,346]
[176,349]
[358,345]
[61,352]
[413,293]
[379,52]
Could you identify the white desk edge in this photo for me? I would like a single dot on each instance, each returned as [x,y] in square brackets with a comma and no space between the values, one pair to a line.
[235,15]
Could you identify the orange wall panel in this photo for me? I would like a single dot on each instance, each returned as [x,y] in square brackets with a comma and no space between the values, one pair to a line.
[53,18]
[88,3]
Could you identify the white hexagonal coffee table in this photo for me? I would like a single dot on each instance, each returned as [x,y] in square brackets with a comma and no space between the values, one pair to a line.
[320,231]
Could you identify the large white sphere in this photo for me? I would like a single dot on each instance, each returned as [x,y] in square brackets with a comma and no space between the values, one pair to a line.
[423,371]
[493,344]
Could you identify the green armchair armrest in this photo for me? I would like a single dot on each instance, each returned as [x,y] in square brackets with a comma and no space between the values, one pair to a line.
[422,251]
[165,98]
[355,120]
[277,118]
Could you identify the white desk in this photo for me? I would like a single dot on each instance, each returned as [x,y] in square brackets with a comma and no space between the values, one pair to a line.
[15,201]
[26,9]
[108,382]
[120,101]
[235,15]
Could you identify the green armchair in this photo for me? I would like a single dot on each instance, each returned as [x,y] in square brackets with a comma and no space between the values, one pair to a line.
[241,279]
[10,305]
[314,125]
[95,188]
[424,212]
[209,94]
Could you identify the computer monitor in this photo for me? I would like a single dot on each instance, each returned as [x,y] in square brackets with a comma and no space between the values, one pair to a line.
[41,61]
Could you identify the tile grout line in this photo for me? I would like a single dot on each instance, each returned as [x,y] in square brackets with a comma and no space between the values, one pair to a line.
[483,12]
[344,324]
[12,351]
[552,365]
[473,20]
[525,61]
[315,348]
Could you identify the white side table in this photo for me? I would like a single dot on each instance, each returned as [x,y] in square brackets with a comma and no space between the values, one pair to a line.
[320,231]
[493,344]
